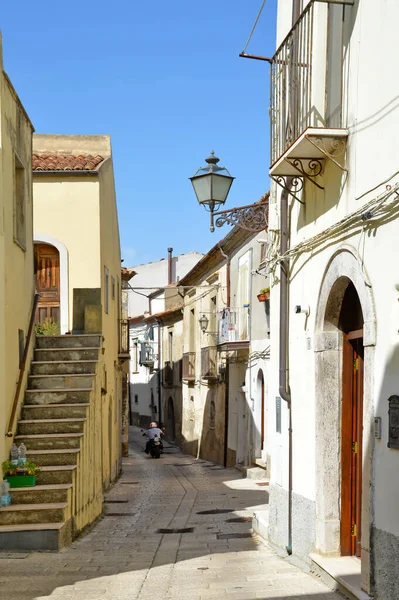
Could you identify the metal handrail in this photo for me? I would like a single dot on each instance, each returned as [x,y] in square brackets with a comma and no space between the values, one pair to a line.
[9,432]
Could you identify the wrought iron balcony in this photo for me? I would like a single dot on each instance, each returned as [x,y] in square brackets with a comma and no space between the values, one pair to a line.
[209,363]
[147,353]
[124,347]
[168,372]
[233,329]
[189,366]
[306,123]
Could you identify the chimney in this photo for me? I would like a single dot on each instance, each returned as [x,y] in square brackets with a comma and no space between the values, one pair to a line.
[170,250]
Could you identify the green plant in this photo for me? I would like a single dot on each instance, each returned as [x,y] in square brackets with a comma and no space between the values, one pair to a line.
[264,290]
[48,327]
[29,468]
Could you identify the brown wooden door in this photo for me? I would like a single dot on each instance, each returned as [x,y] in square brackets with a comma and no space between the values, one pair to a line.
[47,271]
[351,446]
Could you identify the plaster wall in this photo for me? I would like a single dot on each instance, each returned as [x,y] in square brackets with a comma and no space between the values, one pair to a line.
[16,262]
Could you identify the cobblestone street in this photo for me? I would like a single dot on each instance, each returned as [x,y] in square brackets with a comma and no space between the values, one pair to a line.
[125,556]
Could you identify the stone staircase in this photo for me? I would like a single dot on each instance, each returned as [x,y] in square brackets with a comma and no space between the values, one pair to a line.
[52,426]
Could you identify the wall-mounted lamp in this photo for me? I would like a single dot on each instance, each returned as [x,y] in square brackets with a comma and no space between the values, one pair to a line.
[204,322]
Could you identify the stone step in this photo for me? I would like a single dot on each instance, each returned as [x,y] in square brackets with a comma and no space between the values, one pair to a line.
[55,474]
[58,396]
[40,494]
[64,456]
[37,536]
[65,381]
[70,354]
[55,411]
[256,473]
[35,426]
[71,367]
[19,514]
[50,441]
[68,341]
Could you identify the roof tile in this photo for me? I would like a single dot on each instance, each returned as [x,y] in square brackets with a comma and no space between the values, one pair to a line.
[66,162]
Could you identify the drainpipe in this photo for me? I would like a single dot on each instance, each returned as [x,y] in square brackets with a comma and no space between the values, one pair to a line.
[284,388]
[159,373]
[226,385]
[170,250]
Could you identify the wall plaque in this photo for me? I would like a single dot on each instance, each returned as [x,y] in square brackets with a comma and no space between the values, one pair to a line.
[393,437]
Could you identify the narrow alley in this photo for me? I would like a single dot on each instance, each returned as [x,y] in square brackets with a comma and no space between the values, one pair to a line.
[129,553]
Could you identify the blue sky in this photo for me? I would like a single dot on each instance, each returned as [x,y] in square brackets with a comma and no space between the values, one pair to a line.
[165,80]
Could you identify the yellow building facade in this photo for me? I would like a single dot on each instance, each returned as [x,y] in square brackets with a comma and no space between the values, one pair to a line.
[16,246]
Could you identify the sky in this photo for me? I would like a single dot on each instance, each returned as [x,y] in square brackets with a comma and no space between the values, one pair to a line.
[164,79]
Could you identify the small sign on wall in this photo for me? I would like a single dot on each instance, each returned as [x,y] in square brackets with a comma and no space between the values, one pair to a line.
[393,413]
[278,414]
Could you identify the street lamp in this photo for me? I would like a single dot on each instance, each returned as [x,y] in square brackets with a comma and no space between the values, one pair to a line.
[204,322]
[211,186]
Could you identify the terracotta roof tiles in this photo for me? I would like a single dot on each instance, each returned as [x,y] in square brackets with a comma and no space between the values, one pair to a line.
[66,162]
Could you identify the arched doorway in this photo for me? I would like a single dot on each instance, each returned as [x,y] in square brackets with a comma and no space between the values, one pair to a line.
[345,336]
[47,274]
[171,432]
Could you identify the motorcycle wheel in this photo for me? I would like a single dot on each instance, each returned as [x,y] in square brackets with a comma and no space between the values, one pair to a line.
[156,453]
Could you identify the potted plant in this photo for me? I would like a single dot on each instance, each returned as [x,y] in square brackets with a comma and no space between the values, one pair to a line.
[20,476]
[264,294]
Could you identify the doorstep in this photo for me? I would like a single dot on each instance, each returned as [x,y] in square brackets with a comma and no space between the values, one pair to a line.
[343,572]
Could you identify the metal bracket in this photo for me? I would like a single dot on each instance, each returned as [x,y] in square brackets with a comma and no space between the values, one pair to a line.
[309,168]
[337,148]
[252,217]
[296,185]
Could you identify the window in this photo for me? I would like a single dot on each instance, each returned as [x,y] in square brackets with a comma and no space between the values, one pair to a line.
[263,248]
[113,288]
[106,290]
[213,316]
[136,399]
[170,342]
[135,356]
[19,203]
[192,340]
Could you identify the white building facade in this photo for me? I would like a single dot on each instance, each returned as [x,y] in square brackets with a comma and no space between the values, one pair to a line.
[146,299]
[334,297]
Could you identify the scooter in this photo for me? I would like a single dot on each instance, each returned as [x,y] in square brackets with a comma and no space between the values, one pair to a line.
[156,447]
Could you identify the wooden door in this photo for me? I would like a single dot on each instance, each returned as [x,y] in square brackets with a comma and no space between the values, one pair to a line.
[351,445]
[47,271]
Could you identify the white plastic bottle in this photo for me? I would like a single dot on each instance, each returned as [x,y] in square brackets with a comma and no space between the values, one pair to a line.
[22,455]
[14,454]
[5,498]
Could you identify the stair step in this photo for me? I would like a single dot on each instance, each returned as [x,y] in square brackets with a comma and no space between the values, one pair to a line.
[61,354]
[36,536]
[62,456]
[71,367]
[39,411]
[68,341]
[50,426]
[41,494]
[19,514]
[55,474]
[57,396]
[50,441]
[62,381]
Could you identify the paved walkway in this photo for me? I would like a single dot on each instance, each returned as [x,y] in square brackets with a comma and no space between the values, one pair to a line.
[125,556]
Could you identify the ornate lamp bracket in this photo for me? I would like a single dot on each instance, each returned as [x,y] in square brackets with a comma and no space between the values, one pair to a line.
[290,184]
[252,217]
[309,168]
[331,148]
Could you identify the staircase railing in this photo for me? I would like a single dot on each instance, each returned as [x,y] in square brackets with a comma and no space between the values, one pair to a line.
[22,368]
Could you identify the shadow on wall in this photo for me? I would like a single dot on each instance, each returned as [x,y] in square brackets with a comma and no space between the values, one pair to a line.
[144,402]
[385,545]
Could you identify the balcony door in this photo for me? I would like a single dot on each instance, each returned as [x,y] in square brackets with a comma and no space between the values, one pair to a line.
[243,296]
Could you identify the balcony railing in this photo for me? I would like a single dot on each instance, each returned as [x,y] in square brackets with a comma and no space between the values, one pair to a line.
[124,346]
[189,366]
[147,353]
[299,97]
[233,327]
[168,373]
[208,363]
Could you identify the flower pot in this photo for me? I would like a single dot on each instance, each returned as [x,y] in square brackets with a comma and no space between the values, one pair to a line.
[264,296]
[17,481]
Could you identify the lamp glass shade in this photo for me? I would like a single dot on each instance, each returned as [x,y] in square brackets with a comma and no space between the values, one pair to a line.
[220,185]
[204,322]
[202,188]
[212,188]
